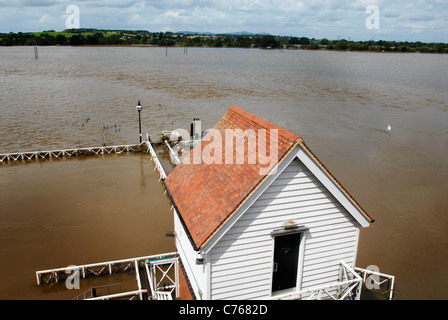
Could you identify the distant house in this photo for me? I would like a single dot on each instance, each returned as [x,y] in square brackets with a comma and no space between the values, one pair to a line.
[245,235]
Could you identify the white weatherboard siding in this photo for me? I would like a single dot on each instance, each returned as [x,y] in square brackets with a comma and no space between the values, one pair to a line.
[197,274]
[241,261]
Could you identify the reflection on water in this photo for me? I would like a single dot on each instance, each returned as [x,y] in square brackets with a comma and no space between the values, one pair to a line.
[68,212]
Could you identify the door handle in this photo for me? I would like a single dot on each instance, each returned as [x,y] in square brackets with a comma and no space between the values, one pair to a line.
[275,266]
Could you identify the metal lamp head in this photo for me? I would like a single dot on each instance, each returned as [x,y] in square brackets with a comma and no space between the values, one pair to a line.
[139,106]
[199,259]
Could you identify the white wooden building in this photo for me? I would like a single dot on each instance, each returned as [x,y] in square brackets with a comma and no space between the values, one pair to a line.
[240,234]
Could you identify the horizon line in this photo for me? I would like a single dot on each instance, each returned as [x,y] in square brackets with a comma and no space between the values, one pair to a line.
[242,33]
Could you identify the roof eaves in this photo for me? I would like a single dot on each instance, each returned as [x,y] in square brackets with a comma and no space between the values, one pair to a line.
[179,215]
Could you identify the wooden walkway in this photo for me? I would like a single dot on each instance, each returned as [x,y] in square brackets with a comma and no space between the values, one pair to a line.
[66,153]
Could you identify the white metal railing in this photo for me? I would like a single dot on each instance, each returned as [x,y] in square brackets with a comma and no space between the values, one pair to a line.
[173,157]
[348,287]
[132,294]
[161,284]
[157,165]
[185,149]
[93,292]
[35,155]
[52,276]
[96,269]
[163,295]
[377,279]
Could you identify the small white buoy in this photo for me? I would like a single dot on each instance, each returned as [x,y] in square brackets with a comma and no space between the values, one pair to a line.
[389,128]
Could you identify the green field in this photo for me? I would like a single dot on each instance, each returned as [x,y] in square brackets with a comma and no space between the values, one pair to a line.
[85,34]
[54,34]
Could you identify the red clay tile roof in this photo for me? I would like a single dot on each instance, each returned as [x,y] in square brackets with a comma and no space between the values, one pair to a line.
[206,195]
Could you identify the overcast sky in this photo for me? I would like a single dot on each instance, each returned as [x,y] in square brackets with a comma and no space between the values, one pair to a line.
[402,20]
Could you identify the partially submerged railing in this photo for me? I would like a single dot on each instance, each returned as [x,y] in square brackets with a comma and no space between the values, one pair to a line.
[157,165]
[52,276]
[131,295]
[173,157]
[377,279]
[94,292]
[54,154]
[347,288]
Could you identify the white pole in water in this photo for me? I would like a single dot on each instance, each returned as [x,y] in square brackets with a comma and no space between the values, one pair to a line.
[36,54]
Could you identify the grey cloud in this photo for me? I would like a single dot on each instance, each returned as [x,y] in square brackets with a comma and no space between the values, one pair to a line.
[29,3]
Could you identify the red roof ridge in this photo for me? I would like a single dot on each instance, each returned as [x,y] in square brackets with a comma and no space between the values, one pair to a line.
[263,123]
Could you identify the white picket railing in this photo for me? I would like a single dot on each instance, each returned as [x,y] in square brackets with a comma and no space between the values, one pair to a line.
[54,154]
[157,165]
[347,288]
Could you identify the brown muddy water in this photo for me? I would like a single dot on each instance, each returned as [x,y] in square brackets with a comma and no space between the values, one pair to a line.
[93,209]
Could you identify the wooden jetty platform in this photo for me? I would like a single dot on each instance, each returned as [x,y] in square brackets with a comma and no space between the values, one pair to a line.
[65,153]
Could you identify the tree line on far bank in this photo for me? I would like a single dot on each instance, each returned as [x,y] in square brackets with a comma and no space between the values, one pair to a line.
[96,37]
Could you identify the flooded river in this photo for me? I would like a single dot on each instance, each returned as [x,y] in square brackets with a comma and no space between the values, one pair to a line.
[93,209]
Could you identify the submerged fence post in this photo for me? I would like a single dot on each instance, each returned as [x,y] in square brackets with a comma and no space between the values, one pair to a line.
[36,54]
